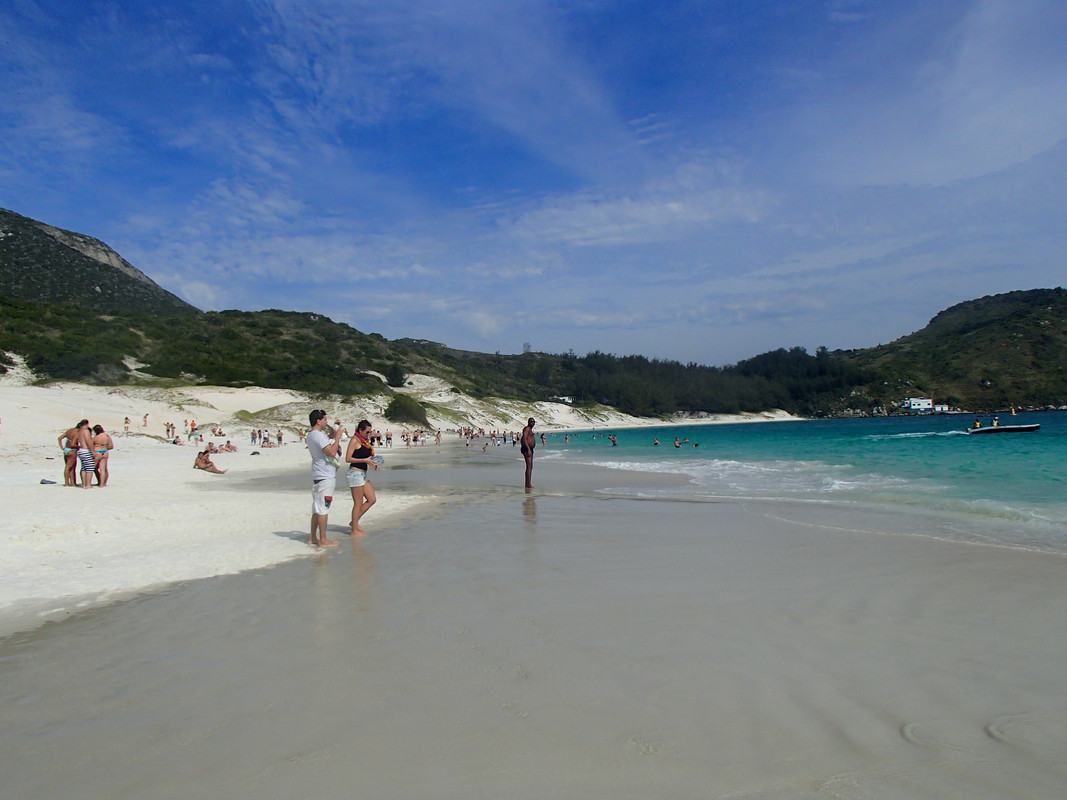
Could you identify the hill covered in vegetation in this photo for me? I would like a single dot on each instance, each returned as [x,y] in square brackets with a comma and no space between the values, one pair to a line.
[983,354]
[42,263]
[312,353]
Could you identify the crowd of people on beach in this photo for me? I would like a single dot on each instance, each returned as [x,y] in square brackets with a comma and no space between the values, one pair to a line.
[262,438]
[90,447]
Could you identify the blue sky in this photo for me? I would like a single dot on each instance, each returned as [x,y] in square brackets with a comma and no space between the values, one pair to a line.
[700,181]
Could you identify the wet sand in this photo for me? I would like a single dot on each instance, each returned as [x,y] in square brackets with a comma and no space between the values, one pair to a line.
[568,644]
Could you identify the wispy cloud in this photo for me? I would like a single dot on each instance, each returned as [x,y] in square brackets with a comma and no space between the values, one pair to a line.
[969,91]
[596,175]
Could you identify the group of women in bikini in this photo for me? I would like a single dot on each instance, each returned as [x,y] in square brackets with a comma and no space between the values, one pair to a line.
[88,447]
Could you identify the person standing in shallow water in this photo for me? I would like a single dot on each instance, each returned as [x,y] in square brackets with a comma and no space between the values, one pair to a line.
[360,455]
[323,474]
[527,442]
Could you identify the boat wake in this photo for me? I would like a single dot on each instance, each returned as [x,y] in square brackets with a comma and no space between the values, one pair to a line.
[877,437]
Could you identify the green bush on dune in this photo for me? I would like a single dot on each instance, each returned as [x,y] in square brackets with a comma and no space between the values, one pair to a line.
[406,409]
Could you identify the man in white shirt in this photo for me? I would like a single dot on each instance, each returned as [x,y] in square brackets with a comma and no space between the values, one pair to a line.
[323,474]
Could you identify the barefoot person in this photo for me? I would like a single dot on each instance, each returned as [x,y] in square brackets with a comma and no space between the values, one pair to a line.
[85,454]
[69,442]
[203,461]
[527,442]
[359,455]
[323,474]
[103,444]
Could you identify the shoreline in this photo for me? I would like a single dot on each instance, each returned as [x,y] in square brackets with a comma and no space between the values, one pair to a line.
[160,522]
[644,646]
[741,650]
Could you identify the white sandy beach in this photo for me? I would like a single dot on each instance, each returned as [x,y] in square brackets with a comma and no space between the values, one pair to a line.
[158,520]
[573,642]
[161,521]
[564,645]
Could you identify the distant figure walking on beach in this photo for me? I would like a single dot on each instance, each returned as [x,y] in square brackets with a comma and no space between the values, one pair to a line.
[103,444]
[359,455]
[323,474]
[527,442]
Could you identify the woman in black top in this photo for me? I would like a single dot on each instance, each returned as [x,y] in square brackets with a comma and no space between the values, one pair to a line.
[359,455]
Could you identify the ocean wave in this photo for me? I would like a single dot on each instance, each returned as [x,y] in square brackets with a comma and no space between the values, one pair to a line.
[767,478]
[977,521]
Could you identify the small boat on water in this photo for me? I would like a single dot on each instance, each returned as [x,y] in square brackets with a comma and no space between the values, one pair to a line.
[1005,428]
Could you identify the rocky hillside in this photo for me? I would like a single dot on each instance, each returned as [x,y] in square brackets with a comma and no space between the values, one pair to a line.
[42,263]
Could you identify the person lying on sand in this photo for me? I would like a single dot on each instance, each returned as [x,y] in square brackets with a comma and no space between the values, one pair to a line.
[203,461]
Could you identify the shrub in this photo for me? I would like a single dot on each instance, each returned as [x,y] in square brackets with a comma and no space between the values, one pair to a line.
[406,409]
[394,374]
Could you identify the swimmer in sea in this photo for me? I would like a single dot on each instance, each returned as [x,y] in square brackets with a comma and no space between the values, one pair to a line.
[527,442]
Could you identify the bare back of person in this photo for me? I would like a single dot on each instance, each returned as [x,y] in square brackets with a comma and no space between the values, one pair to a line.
[527,443]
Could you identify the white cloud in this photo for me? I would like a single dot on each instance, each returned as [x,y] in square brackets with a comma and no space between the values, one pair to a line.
[985,91]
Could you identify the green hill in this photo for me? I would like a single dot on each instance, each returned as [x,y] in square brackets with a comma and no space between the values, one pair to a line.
[983,354]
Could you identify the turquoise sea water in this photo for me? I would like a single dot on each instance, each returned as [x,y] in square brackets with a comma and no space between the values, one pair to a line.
[1002,488]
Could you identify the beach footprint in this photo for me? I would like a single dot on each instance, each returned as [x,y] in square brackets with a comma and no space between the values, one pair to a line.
[1039,734]
[946,735]
[972,779]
